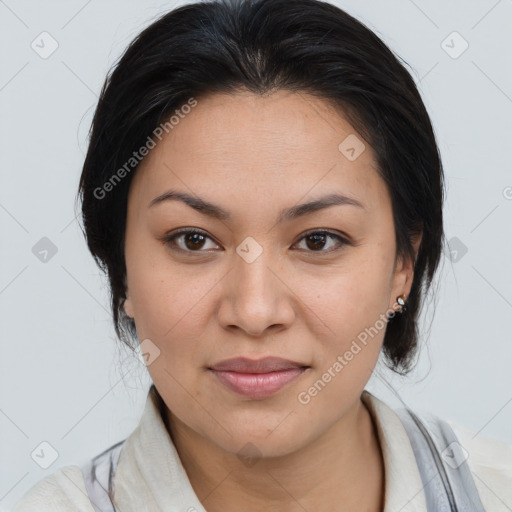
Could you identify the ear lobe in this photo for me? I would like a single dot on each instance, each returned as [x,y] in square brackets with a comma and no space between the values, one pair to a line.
[128,306]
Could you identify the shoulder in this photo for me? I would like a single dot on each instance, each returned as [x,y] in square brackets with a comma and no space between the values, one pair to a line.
[490,462]
[62,491]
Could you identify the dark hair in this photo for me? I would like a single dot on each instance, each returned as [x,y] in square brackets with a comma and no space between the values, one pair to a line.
[262,46]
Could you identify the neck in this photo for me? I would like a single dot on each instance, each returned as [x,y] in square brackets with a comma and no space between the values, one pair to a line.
[342,470]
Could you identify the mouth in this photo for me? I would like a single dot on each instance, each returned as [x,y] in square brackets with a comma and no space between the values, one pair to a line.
[257,379]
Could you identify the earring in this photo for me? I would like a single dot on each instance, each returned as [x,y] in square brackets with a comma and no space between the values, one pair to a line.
[401,300]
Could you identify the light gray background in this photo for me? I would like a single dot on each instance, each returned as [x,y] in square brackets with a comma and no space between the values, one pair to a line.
[64,379]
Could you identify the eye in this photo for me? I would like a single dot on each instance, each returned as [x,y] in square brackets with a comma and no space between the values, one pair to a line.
[195,240]
[318,240]
[192,240]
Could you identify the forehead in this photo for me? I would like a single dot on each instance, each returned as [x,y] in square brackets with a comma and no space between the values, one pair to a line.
[286,143]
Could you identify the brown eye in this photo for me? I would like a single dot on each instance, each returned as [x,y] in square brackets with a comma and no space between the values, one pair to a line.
[316,241]
[189,240]
[193,240]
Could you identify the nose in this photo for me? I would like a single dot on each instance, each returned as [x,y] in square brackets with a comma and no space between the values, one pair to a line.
[256,297]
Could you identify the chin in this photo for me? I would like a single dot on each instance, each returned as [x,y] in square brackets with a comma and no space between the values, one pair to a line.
[263,441]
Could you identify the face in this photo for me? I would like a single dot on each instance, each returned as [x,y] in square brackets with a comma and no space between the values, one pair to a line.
[261,276]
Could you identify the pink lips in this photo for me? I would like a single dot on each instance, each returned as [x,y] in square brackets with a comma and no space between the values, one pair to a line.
[257,378]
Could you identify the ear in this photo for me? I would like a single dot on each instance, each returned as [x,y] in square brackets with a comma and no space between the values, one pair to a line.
[128,305]
[404,273]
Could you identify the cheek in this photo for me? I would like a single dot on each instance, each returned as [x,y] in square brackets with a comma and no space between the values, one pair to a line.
[346,311]
[166,297]
[351,296]
[171,304]
[346,353]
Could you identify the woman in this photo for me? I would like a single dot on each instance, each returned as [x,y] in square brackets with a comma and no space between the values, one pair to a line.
[264,191]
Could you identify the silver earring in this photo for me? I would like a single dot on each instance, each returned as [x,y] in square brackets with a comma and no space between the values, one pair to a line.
[401,300]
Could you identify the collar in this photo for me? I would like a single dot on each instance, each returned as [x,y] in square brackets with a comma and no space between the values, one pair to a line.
[150,475]
[402,480]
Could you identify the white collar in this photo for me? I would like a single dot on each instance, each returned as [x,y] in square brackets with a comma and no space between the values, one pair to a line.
[403,485]
[150,475]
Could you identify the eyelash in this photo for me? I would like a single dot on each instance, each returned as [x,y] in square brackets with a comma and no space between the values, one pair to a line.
[170,239]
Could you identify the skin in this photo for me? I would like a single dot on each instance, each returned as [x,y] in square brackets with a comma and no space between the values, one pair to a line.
[301,299]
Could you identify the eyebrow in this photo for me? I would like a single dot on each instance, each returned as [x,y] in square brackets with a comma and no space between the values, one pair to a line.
[287,214]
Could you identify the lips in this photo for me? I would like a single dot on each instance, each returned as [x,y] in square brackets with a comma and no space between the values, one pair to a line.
[257,379]
[265,365]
